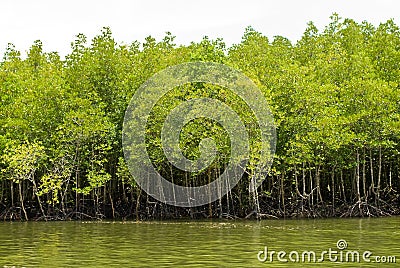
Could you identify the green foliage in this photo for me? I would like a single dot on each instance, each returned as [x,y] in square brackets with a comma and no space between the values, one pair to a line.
[22,160]
[334,93]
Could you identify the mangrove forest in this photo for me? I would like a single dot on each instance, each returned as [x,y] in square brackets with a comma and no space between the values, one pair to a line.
[334,95]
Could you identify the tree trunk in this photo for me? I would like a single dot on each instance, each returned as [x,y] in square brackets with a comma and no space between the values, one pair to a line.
[371,164]
[358,184]
[283,194]
[21,198]
[318,183]
[138,203]
[378,188]
[333,190]
[12,193]
[311,189]
[342,183]
[358,178]
[210,210]
[297,188]
[38,198]
[364,179]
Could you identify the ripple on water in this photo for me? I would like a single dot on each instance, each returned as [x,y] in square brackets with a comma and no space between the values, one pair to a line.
[185,243]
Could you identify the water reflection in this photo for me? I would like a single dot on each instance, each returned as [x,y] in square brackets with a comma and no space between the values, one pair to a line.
[188,244]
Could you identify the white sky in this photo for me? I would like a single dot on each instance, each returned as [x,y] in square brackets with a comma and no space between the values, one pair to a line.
[57,22]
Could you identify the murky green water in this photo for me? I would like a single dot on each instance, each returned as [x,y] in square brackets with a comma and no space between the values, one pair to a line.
[195,244]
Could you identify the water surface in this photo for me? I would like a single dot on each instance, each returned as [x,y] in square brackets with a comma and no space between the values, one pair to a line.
[193,243]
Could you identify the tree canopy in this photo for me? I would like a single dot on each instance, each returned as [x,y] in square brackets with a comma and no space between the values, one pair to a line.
[334,94]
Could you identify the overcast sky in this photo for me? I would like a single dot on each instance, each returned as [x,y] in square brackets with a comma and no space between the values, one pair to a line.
[57,22]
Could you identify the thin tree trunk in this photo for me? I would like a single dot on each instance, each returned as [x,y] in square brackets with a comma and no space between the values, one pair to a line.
[283,194]
[172,180]
[21,198]
[357,171]
[12,193]
[333,190]
[219,195]
[2,190]
[210,210]
[390,177]
[112,204]
[304,182]
[364,179]
[318,183]
[358,183]
[378,188]
[38,198]
[138,203]
[297,188]
[372,187]
[342,183]
[311,189]
[64,197]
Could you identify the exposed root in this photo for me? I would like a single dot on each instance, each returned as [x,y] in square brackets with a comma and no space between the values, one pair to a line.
[363,209]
